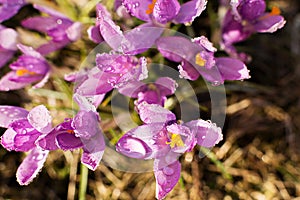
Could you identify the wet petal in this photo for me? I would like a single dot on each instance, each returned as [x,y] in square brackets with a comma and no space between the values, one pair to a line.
[207,133]
[166,85]
[190,10]
[5,56]
[31,166]
[6,84]
[166,179]
[84,103]
[152,113]
[86,124]
[94,34]
[269,23]
[10,8]
[48,141]
[250,10]
[8,114]
[132,89]
[165,10]
[39,117]
[138,8]
[74,31]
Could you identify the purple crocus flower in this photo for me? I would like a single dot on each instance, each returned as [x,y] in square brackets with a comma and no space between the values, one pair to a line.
[82,131]
[245,18]
[8,44]
[197,58]
[163,11]
[9,8]
[152,93]
[30,67]
[23,131]
[164,140]
[112,71]
[60,28]
[127,43]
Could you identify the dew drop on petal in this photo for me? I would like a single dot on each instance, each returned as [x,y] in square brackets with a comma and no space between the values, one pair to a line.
[59,21]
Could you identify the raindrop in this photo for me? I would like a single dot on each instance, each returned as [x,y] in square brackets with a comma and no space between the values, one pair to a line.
[5,112]
[135,5]
[24,131]
[59,21]
[203,137]
[216,83]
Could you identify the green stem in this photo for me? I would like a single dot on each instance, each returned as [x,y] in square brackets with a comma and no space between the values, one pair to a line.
[83,182]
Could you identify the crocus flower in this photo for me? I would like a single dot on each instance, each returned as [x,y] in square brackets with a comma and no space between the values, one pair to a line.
[197,58]
[152,93]
[8,44]
[123,42]
[163,11]
[112,71]
[245,18]
[9,8]
[30,67]
[161,138]
[59,27]
[82,131]
[23,131]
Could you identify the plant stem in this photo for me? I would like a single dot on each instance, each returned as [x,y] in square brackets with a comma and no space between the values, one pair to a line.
[83,182]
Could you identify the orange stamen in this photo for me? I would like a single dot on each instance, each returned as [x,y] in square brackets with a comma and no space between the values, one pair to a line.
[175,141]
[70,131]
[22,72]
[150,7]
[275,11]
[199,60]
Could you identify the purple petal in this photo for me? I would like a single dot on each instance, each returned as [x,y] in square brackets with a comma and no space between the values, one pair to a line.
[269,23]
[29,51]
[10,8]
[8,39]
[165,10]
[132,89]
[48,141]
[84,103]
[151,97]
[250,9]
[166,85]
[93,150]
[74,31]
[190,10]
[49,11]
[52,46]
[166,179]
[86,124]
[165,160]
[207,133]
[146,33]
[8,114]
[6,84]
[94,34]
[146,141]
[187,71]
[138,8]
[152,113]
[31,166]
[43,81]
[39,117]
[68,141]
[7,139]
[5,56]
[232,69]
[44,23]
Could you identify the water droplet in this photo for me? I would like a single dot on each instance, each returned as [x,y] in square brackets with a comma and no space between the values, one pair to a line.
[5,112]
[203,137]
[216,83]
[168,171]
[24,131]
[135,5]
[59,21]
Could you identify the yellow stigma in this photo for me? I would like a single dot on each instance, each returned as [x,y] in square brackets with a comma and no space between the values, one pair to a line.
[22,72]
[175,141]
[199,60]
[150,7]
[275,11]
[151,86]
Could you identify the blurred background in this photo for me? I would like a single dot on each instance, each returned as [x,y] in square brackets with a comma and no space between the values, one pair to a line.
[258,158]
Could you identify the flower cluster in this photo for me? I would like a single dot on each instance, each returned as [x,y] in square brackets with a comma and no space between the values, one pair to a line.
[160,135]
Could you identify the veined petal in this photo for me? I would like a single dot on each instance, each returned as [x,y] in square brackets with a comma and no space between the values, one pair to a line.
[165,10]
[86,124]
[39,117]
[166,179]
[153,113]
[251,9]
[51,46]
[31,166]
[8,114]
[166,85]
[6,84]
[132,89]
[94,34]
[190,10]
[49,11]
[44,23]
[67,141]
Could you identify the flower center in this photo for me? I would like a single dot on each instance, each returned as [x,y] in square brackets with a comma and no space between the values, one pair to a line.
[175,141]
[71,131]
[23,72]
[151,7]
[151,86]
[199,60]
